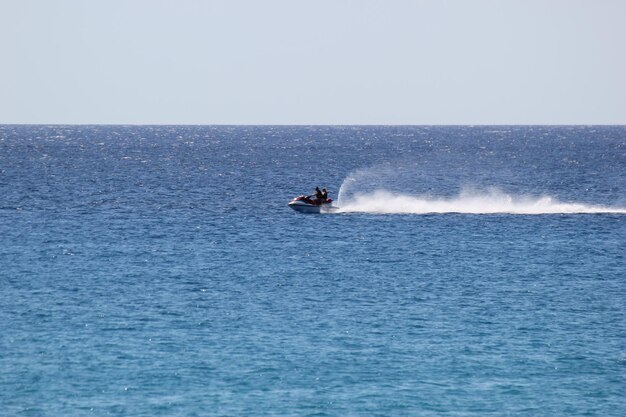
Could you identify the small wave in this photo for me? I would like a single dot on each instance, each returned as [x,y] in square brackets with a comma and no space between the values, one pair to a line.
[469,202]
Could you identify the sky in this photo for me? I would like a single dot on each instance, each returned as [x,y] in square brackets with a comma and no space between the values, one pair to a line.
[411,62]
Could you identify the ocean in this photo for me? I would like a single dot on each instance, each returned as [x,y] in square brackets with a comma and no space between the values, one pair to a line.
[158,271]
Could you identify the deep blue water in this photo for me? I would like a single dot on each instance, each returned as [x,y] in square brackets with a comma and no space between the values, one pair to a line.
[157,271]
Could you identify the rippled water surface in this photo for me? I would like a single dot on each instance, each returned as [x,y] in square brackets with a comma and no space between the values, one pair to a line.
[157,271]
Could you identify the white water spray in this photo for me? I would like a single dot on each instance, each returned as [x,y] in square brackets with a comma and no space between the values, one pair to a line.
[471,201]
[491,202]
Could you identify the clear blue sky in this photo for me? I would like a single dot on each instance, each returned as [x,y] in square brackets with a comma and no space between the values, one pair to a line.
[313,62]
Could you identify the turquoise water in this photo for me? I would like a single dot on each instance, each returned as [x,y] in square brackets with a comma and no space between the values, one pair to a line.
[148,271]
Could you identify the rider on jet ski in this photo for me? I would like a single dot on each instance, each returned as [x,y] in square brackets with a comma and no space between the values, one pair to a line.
[321,196]
[318,194]
[313,203]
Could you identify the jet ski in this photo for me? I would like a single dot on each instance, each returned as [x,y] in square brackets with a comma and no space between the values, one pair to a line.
[310,204]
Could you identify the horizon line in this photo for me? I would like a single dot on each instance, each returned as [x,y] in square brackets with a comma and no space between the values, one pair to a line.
[323,124]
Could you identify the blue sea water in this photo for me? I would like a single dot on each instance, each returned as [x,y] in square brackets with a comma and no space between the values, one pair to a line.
[157,271]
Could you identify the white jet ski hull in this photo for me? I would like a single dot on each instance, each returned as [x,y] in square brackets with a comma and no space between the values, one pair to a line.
[303,207]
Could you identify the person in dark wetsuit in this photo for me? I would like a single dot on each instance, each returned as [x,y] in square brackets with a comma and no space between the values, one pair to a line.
[319,195]
[324,195]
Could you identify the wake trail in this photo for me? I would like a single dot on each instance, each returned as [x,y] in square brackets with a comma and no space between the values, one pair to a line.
[491,201]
